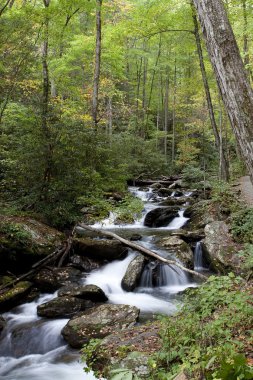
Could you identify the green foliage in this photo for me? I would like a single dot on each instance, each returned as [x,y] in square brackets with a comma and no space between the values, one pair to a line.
[246,256]
[242,225]
[216,319]
[88,353]
[224,197]
[192,175]
[123,374]
[129,209]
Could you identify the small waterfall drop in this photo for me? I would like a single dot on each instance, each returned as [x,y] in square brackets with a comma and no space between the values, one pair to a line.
[199,264]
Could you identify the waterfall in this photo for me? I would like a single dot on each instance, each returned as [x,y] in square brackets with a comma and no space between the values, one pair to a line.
[199,264]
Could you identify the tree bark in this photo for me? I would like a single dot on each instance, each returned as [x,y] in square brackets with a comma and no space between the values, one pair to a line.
[224,170]
[230,73]
[97,64]
[141,249]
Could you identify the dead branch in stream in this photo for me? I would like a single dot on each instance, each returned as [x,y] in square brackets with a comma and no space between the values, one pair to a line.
[141,249]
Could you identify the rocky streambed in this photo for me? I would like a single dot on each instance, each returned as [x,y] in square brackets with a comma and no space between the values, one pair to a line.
[109,292]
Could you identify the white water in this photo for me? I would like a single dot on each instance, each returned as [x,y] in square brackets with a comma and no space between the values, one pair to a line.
[199,264]
[32,348]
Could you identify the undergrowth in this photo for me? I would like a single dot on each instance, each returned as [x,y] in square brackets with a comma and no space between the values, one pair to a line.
[210,337]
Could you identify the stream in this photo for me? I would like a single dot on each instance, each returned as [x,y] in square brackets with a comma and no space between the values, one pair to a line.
[33,348]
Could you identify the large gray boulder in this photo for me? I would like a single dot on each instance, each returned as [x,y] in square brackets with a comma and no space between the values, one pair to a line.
[99,249]
[88,292]
[63,307]
[85,264]
[161,216]
[180,249]
[220,248]
[133,273]
[99,322]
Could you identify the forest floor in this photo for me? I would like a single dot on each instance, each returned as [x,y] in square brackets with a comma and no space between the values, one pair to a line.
[245,186]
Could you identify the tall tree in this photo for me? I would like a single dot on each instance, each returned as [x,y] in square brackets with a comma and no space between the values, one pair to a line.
[230,73]
[97,63]
[224,172]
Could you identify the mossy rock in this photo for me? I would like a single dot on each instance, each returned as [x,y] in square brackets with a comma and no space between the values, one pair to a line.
[15,296]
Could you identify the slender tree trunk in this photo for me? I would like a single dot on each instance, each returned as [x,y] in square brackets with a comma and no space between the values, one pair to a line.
[166,114]
[138,77]
[154,72]
[45,104]
[224,172]
[174,114]
[230,73]
[246,39]
[97,64]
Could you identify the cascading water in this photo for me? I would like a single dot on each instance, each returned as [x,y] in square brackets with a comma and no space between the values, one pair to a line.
[199,264]
[32,347]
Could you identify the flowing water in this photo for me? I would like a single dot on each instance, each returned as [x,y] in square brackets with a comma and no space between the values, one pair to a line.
[199,262]
[32,347]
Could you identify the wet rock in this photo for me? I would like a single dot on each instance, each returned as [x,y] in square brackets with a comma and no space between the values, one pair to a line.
[99,322]
[87,292]
[63,307]
[130,349]
[189,236]
[180,249]
[220,249]
[181,376]
[135,237]
[156,185]
[164,191]
[161,216]
[176,201]
[84,263]
[51,279]
[2,323]
[133,273]
[99,249]
[15,296]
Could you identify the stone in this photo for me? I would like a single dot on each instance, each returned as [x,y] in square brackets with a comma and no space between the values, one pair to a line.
[51,279]
[135,237]
[2,323]
[189,236]
[130,349]
[15,296]
[200,213]
[133,273]
[63,307]
[220,248]
[87,292]
[180,249]
[161,216]
[24,241]
[99,322]
[181,376]
[84,263]
[164,191]
[99,249]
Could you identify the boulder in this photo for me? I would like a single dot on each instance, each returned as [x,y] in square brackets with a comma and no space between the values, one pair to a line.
[99,322]
[84,263]
[63,307]
[15,296]
[87,292]
[99,249]
[51,279]
[189,236]
[220,249]
[135,237]
[133,273]
[164,191]
[176,201]
[2,323]
[129,349]
[200,213]
[180,249]
[161,216]
[24,241]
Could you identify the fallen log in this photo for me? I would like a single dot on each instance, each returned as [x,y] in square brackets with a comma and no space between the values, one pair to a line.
[141,249]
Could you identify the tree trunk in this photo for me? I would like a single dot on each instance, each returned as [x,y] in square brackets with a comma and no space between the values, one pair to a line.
[166,114]
[230,73]
[246,39]
[173,147]
[97,64]
[224,170]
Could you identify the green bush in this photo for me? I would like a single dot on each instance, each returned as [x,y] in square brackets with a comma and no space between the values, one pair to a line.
[242,225]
